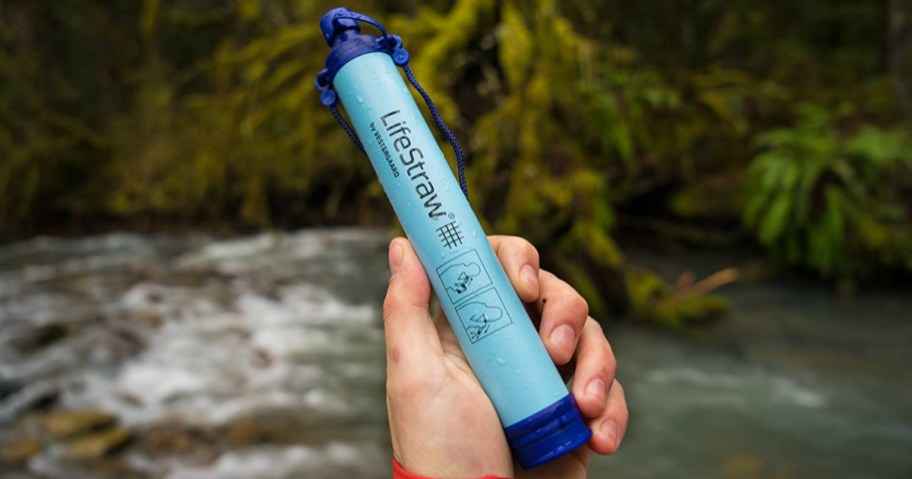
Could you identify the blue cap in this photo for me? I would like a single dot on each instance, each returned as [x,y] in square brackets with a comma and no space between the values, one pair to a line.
[548,434]
[342,31]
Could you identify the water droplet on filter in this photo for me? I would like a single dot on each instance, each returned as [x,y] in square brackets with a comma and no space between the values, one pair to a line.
[518,372]
[360,100]
[501,361]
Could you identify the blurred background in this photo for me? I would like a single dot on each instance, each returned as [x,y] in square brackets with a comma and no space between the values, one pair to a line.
[193,254]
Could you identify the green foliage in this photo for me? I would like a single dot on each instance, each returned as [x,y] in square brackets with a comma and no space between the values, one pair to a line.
[240,136]
[51,148]
[579,118]
[833,198]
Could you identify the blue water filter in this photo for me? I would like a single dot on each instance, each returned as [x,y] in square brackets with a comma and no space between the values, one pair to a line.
[540,418]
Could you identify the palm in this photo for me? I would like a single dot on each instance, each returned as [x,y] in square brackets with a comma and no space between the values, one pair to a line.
[471,415]
[467,391]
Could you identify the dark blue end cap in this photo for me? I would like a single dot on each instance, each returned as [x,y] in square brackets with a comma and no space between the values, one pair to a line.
[548,434]
[342,32]
[337,21]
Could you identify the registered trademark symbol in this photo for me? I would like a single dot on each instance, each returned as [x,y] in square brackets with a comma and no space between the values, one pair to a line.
[451,216]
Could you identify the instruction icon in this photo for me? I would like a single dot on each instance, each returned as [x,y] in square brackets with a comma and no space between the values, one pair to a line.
[463,276]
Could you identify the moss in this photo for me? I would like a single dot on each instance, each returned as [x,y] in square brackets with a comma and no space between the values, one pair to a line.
[714,198]
[653,302]
[516,52]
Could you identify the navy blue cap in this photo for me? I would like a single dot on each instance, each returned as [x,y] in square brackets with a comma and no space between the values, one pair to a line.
[548,434]
[336,21]
[342,31]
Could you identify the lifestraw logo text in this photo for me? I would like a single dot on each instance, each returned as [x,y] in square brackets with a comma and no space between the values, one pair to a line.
[411,157]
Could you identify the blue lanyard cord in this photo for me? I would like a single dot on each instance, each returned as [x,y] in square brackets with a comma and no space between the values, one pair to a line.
[345,126]
[460,160]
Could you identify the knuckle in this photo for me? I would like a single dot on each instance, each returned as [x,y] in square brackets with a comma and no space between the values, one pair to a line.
[623,417]
[516,247]
[595,327]
[620,387]
[528,250]
[605,364]
[609,368]
[578,305]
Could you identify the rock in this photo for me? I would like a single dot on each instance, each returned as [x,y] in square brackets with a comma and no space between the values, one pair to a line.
[147,316]
[19,450]
[98,445]
[38,338]
[166,440]
[64,424]
[273,428]
[9,387]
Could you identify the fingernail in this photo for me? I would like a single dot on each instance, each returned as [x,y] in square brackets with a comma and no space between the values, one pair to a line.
[527,273]
[609,429]
[563,337]
[596,389]
[395,256]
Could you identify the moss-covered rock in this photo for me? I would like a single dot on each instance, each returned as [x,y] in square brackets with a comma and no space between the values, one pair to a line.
[65,424]
[19,450]
[98,444]
[652,301]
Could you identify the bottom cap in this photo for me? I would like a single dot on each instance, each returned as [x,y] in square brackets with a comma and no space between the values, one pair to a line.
[548,434]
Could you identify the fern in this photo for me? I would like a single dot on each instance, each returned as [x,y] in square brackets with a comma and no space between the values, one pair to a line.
[817,197]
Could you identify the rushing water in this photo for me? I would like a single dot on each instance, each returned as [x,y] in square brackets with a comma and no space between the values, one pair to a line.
[267,353]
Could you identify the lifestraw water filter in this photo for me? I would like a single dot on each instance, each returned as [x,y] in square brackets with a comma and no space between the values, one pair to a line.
[539,416]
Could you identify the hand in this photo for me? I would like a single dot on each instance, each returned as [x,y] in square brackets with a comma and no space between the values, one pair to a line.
[442,423]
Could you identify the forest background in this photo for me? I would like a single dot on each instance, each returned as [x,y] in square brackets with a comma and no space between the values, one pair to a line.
[777,126]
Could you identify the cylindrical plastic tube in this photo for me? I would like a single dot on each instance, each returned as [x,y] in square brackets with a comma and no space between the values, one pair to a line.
[540,418]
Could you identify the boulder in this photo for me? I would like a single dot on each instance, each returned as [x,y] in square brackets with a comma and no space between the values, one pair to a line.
[65,424]
[98,444]
[19,450]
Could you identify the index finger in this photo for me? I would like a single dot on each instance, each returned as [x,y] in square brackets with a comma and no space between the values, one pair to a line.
[520,260]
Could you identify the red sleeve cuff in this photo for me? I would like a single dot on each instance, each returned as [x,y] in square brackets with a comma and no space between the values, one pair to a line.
[399,472]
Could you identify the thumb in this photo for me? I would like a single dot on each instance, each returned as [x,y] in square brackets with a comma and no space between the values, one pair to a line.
[411,337]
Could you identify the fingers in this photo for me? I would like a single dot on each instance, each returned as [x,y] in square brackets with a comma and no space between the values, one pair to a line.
[609,428]
[598,394]
[595,369]
[563,313]
[410,334]
[521,262]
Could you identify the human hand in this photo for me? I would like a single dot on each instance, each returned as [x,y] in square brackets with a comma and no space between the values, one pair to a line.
[441,421]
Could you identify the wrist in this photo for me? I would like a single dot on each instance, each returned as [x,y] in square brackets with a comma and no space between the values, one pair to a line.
[400,472]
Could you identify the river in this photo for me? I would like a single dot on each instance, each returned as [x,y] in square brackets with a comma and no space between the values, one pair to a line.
[190,357]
